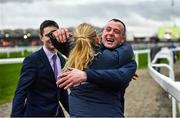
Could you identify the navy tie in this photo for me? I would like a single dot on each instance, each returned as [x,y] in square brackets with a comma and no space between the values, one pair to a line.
[54,57]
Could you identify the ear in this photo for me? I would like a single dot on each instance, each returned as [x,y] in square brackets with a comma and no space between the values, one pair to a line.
[124,38]
[40,36]
[98,40]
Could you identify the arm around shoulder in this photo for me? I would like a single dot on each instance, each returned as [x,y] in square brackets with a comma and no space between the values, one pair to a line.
[112,78]
[125,53]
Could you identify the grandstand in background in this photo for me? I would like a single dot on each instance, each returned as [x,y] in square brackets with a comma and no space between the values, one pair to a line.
[30,37]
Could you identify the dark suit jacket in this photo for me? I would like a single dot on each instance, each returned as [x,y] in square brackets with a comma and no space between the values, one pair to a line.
[37,93]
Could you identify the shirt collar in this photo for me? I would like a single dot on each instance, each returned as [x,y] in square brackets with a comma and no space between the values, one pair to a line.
[49,53]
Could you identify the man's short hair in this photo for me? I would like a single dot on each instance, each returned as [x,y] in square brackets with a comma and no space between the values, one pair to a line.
[47,23]
[117,20]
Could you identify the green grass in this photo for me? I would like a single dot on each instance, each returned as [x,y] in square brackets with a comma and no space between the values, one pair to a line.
[178,55]
[143,60]
[9,74]
[15,54]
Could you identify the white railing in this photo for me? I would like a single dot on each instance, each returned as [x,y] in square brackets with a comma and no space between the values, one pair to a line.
[167,83]
[11,60]
[9,50]
[33,49]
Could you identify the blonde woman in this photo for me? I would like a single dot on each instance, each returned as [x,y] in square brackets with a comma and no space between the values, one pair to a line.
[98,90]
[83,51]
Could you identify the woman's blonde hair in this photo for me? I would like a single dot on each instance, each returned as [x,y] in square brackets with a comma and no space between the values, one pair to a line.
[83,51]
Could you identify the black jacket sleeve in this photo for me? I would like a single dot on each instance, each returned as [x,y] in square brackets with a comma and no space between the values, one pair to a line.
[64,48]
[112,78]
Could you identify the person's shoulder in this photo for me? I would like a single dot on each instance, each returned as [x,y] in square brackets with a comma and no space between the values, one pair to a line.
[124,46]
[36,53]
[34,56]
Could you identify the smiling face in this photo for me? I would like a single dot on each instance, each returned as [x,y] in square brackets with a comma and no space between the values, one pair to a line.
[113,34]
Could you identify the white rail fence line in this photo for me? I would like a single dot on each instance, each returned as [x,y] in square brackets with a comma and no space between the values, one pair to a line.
[33,49]
[9,50]
[11,60]
[22,49]
[167,83]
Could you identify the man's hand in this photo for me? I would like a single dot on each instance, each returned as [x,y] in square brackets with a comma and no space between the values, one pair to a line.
[62,35]
[135,77]
[71,78]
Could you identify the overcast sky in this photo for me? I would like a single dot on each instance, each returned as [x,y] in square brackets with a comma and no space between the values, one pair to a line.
[140,16]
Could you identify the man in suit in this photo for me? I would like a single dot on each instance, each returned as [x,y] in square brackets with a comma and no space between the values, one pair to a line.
[37,93]
[98,91]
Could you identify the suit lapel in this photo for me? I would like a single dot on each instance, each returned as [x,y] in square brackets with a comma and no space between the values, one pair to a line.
[62,60]
[50,72]
[45,60]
